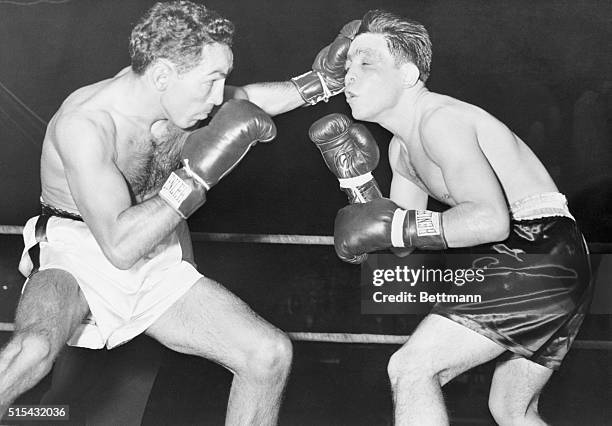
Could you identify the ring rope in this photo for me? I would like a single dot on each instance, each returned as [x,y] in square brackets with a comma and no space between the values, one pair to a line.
[226,237]
[11,230]
[321,240]
[391,339]
[377,339]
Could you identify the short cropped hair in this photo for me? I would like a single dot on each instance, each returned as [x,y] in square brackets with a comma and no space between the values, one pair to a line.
[177,31]
[407,40]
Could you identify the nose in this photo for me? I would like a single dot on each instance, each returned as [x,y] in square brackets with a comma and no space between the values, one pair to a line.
[349,78]
[217,95]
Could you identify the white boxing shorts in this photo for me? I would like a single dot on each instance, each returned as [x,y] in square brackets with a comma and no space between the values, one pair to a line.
[123,303]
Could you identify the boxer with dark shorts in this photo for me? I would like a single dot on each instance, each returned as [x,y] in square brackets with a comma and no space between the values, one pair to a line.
[504,210]
[543,269]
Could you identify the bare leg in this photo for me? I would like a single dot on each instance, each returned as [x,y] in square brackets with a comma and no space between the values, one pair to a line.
[49,311]
[438,351]
[211,322]
[515,391]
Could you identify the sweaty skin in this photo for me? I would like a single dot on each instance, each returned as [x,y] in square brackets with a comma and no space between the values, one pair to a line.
[465,158]
[136,149]
[450,150]
[110,146]
[137,145]
[452,131]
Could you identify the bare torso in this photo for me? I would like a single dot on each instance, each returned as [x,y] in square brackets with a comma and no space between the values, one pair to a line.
[519,172]
[144,155]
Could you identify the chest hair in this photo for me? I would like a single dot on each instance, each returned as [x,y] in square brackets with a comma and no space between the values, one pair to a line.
[153,161]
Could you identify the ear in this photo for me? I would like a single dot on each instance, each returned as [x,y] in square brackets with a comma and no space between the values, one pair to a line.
[411,74]
[160,73]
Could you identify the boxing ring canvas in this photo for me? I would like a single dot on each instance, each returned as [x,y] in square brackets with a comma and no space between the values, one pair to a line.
[544,69]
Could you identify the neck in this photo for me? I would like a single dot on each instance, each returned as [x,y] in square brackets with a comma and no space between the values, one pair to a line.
[139,99]
[402,117]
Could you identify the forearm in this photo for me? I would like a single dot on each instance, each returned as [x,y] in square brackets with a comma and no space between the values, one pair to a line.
[381,224]
[137,230]
[274,97]
[468,224]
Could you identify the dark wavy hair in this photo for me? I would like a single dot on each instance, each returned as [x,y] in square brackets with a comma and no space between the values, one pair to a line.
[177,31]
[407,40]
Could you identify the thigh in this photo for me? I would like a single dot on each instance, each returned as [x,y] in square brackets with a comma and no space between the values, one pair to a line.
[51,305]
[447,348]
[518,381]
[211,322]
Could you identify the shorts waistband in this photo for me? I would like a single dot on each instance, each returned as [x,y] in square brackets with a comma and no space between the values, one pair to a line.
[48,210]
[547,204]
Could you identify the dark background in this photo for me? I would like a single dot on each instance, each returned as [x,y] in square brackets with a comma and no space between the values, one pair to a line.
[543,68]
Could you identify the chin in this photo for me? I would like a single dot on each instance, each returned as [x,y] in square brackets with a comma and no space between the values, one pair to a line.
[354,112]
[359,114]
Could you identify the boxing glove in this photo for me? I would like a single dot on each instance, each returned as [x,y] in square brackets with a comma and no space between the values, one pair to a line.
[381,224]
[350,152]
[326,78]
[211,152]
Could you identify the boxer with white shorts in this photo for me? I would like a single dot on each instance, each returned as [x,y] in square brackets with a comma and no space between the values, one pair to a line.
[121,169]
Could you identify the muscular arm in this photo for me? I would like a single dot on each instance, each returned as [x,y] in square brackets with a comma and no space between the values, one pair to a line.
[325,79]
[480,215]
[274,98]
[125,232]
[406,194]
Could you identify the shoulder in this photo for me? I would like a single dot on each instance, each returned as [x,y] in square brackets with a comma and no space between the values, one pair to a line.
[451,121]
[69,123]
[76,132]
[451,115]
[445,115]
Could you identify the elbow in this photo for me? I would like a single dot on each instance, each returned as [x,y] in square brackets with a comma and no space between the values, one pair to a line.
[118,258]
[501,230]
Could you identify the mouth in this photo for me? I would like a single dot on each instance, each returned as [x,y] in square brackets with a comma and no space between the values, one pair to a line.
[202,116]
[350,96]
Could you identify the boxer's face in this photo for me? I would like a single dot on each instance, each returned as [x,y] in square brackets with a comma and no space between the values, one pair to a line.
[191,95]
[373,82]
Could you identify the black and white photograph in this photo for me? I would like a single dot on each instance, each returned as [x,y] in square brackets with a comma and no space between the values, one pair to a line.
[268,212]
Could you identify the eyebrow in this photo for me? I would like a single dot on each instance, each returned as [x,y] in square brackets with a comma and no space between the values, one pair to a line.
[221,73]
[370,53]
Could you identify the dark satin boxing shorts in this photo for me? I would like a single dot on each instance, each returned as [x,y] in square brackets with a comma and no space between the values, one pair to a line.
[536,290]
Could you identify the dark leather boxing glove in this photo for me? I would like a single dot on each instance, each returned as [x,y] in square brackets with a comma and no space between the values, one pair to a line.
[327,76]
[380,224]
[350,152]
[211,152]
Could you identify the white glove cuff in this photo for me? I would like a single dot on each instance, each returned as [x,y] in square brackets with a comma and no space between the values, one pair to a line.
[326,92]
[397,228]
[174,192]
[356,181]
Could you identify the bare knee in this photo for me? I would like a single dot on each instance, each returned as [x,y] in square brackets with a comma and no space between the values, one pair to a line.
[409,365]
[507,411]
[270,357]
